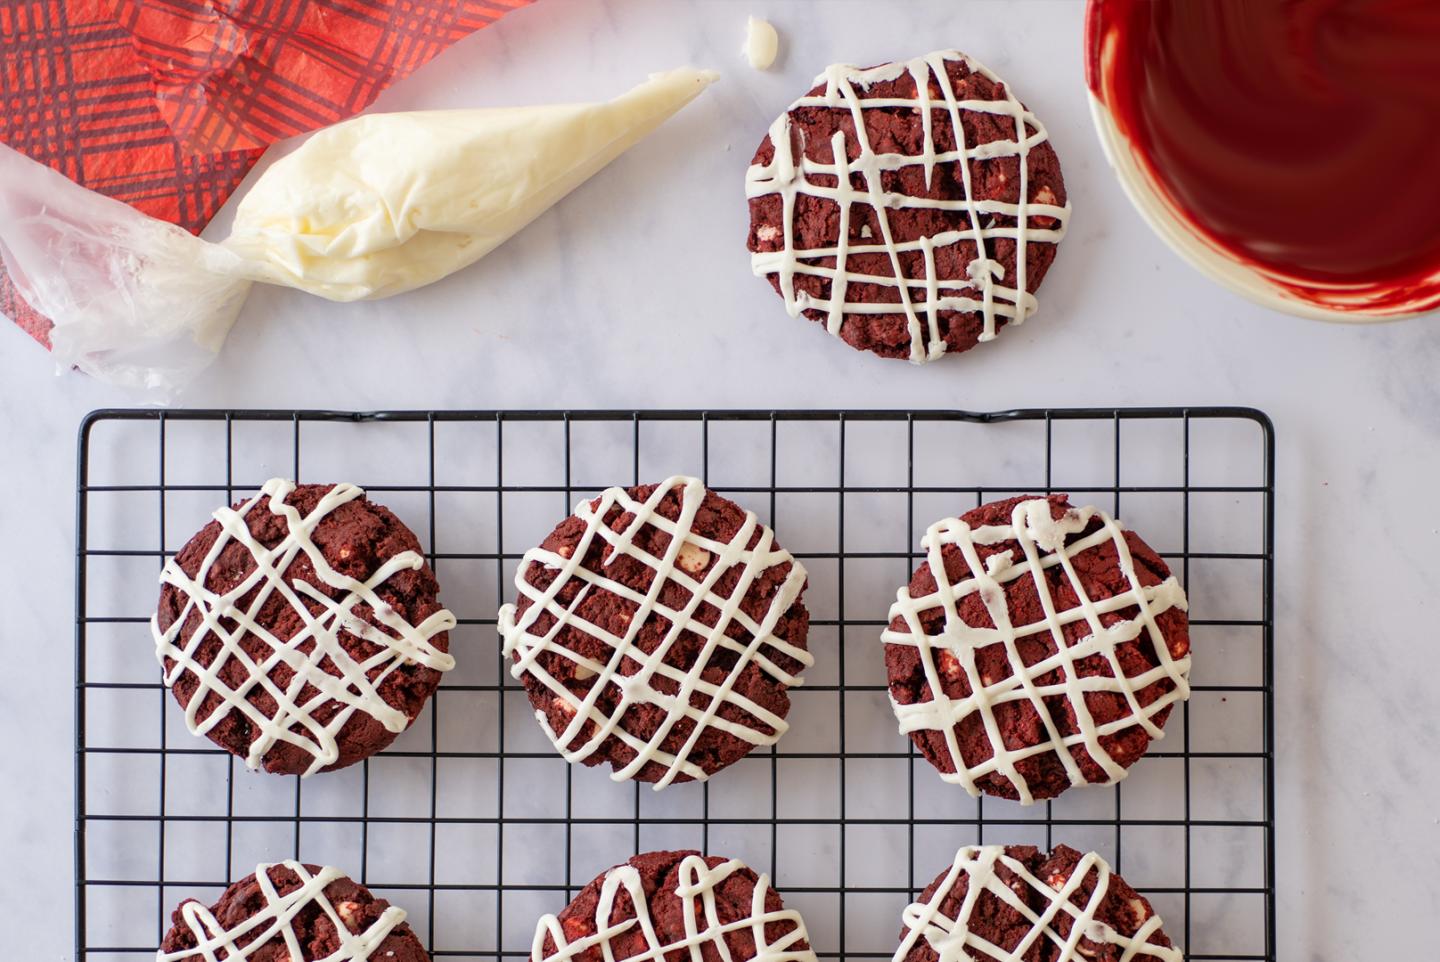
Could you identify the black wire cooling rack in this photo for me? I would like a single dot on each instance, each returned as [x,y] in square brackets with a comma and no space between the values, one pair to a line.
[474,825]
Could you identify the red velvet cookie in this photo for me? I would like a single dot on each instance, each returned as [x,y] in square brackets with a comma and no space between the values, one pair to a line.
[292,913]
[1014,902]
[658,629]
[945,221]
[669,905]
[1047,653]
[300,630]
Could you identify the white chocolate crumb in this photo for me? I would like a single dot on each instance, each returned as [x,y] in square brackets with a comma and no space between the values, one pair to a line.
[762,43]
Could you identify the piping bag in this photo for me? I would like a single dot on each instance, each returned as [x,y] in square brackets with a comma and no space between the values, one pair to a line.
[374,206]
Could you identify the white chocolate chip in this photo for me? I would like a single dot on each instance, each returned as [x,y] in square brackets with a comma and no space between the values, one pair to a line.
[565,551]
[1056,881]
[767,233]
[692,558]
[948,665]
[349,914]
[999,562]
[1141,910]
[1045,196]
[583,672]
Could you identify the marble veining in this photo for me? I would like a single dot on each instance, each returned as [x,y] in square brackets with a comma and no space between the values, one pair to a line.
[648,261]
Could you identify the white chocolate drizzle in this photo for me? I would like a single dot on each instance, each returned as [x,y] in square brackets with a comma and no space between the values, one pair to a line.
[988,291]
[953,941]
[214,942]
[703,926]
[683,562]
[1042,543]
[355,688]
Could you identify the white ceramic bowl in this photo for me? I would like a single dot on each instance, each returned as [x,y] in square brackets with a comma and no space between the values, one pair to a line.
[1212,260]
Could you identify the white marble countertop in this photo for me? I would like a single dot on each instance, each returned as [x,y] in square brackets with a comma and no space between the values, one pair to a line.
[646,265]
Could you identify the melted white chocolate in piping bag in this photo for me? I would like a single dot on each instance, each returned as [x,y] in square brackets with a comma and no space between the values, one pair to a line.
[385,203]
[374,206]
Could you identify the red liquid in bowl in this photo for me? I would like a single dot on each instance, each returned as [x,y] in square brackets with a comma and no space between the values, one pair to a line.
[1300,136]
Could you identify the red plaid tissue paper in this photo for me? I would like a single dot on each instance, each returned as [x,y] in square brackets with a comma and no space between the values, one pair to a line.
[167,104]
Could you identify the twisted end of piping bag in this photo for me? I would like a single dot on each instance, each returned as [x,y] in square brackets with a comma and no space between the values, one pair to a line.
[135,301]
[374,206]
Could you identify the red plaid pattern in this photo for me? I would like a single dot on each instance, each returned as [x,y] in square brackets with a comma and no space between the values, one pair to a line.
[13,306]
[167,104]
[246,73]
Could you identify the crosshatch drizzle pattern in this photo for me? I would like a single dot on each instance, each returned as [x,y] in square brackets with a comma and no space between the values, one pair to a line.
[275,920]
[1059,926]
[1044,543]
[292,721]
[472,823]
[524,639]
[777,936]
[986,290]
